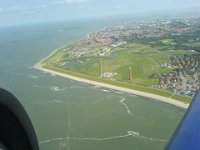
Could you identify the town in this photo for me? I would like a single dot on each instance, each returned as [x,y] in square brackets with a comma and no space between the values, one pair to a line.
[110,38]
[102,54]
[185,78]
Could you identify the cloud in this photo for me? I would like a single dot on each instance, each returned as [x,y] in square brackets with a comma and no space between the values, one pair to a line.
[70,1]
[77,1]
[116,6]
[17,8]
[24,8]
[40,6]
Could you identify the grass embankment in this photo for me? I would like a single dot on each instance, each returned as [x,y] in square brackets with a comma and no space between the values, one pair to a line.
[120,84]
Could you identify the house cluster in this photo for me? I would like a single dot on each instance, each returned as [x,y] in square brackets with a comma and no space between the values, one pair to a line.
[185,79]
[78,54]
[187,64]
[117,36]
[86,42]
[156,28]
[103,51]
[104,41]
[167,81]
[108,75]
[117,44]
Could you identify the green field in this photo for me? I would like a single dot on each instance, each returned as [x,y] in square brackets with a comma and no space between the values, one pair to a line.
[196,44]
[168,42]
[142,58]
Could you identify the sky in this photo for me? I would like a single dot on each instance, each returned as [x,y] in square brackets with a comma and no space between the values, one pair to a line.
[21,11]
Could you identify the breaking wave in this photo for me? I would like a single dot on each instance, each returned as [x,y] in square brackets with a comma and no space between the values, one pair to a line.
[129,134]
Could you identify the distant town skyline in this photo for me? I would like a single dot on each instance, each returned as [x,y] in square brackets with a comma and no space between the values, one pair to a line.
[22,11]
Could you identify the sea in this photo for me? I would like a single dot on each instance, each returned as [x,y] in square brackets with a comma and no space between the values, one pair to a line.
[70,115]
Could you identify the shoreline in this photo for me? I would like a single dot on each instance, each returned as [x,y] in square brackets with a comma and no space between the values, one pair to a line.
[163,99]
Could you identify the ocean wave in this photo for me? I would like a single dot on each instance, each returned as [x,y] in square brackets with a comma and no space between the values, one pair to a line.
[42,103]
[47,102]
[33,76]
[52,88]
[40,86]
[132,95]
[104,90]
[122,101]
[56,101]
[129,134]
[76,87]
[52,140]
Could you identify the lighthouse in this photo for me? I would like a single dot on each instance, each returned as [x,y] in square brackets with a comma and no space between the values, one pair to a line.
[130,74]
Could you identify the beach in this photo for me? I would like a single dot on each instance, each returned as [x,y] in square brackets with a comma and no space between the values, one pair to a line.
[122,89]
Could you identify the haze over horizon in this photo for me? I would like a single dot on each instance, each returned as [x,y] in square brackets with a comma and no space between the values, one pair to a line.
[22,11]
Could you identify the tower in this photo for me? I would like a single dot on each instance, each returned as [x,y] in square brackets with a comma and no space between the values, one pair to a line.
[130,74]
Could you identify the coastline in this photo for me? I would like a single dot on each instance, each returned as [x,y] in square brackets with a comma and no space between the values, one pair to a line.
[163,99]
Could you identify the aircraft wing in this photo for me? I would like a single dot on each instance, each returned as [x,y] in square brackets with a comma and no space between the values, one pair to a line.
[187,135]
